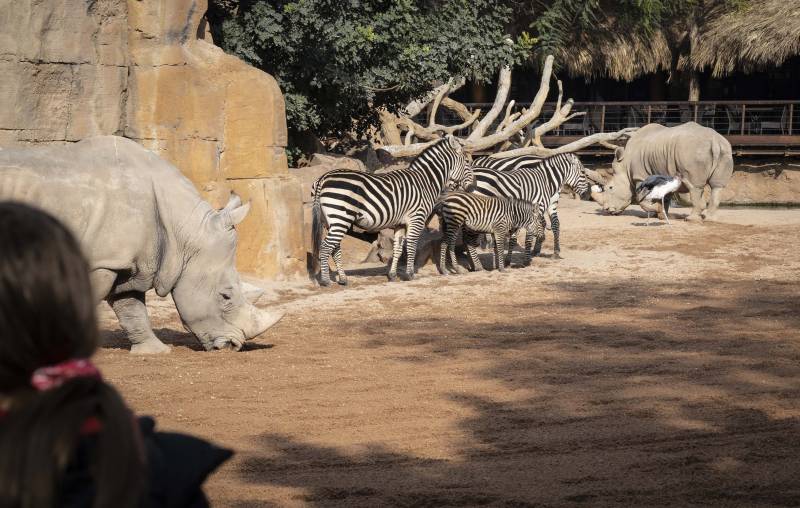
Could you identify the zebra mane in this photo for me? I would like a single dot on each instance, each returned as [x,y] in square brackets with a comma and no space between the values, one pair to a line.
[440,147]
[433,148]
[567,155]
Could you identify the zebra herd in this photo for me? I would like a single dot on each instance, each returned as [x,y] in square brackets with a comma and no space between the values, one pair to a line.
[488,195]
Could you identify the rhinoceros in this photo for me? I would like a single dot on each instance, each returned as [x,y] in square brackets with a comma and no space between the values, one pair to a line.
[699,155]
[142,225]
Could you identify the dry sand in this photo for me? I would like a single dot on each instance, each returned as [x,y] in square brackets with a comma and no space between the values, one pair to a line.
[651,366]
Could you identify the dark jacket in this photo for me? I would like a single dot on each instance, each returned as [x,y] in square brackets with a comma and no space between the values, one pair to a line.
[177,466]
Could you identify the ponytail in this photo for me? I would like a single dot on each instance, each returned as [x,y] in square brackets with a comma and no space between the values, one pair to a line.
[40,437]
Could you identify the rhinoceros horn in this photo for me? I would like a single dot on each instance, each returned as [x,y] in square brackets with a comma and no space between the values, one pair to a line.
[595,176]
[598,195]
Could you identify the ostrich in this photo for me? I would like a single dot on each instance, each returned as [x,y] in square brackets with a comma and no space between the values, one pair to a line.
[658,188]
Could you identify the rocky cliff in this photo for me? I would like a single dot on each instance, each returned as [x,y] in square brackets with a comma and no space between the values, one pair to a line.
[146,69]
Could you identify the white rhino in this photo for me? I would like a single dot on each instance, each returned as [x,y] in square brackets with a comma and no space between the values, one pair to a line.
[699,155]
[142,225]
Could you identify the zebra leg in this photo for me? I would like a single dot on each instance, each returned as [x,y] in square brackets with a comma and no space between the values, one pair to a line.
[499,250]
[332,242]
[472,240]
[452,236]
[443,257]
[528,246]
[341,277]
[453,257]
[443,246]
[414,231]
[555,226]
[512,242]
[397,250]
[537,248]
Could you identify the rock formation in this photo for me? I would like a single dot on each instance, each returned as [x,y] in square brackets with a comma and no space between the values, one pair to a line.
[146,70]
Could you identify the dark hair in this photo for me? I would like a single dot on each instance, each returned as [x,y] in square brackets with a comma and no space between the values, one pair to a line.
[47,316]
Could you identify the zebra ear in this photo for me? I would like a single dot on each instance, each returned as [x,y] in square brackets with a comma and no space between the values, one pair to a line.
[454,142]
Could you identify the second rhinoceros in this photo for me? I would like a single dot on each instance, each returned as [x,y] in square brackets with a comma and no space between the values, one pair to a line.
[142,225]
[698,155]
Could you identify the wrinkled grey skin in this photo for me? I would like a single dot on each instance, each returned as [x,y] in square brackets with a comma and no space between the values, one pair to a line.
[142,225]
[699,155]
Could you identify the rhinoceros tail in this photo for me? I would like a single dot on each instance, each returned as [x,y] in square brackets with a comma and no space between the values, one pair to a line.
[318,224]
[722,162]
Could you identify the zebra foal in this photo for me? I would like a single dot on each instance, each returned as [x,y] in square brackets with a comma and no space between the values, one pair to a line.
[535,180]
[401,199]
[475,214]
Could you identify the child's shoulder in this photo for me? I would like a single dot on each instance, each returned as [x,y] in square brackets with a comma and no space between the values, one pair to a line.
[177,464]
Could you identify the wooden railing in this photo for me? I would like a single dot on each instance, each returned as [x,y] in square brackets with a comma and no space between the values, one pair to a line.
[752,127]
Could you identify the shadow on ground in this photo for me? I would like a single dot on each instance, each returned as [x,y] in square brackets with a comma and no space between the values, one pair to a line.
[115,339]
[692,400]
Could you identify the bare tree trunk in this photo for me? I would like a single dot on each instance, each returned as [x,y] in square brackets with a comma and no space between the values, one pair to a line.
[694,85]
[694,78]
[389,130]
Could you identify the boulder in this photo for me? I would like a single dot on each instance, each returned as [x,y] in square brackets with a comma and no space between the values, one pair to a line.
[321,164]
[337,162]
[72,69]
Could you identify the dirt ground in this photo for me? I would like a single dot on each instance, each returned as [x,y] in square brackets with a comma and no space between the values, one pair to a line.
[651,366]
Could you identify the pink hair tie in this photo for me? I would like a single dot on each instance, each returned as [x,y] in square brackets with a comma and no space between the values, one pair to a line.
[53,376]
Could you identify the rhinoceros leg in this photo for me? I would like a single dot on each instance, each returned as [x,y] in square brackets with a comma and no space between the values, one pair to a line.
[696,194]
[102,281]
[132,314]
[711,212]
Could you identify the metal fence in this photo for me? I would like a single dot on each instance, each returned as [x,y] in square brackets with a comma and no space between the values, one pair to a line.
[752,127]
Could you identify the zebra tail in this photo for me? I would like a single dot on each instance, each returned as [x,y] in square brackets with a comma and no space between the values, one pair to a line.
[318,225]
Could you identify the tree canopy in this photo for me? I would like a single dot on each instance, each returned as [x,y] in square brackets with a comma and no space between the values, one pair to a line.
[339,61]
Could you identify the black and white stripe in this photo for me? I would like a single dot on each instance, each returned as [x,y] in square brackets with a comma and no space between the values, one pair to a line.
[475,214]
[532,179]
[402,199]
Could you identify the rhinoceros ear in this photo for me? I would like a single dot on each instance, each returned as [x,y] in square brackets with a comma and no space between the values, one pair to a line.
[231,218]
[618,153]
[234,201]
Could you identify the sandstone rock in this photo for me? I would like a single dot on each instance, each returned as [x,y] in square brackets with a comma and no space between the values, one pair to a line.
[337,162]
[271,238]
[321,164]
[71,69]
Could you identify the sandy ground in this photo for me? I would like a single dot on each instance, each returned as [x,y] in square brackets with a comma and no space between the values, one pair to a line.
[651,366]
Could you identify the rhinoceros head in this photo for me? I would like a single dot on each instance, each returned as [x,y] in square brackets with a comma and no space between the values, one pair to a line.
[615,193]
[208,292]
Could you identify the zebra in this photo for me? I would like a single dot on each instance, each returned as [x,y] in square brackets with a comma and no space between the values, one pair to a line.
[475,214]
[521,162]
[535,180]
[402,199]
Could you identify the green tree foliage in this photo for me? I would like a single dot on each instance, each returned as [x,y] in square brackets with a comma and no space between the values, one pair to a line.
[338,61]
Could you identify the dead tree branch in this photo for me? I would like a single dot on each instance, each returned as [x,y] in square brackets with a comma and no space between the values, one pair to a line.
[579,144]
[513,130]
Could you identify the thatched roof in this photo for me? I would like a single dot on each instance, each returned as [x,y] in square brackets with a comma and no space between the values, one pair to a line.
[614,54]
[764,34]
